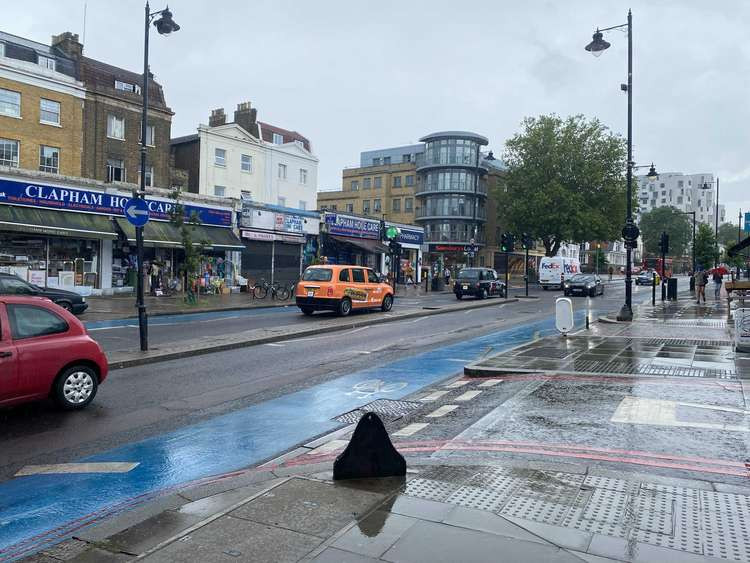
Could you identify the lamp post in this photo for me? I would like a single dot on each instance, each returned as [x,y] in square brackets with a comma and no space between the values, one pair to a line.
[630,231]
[164,25]
[692,277]
[707,186]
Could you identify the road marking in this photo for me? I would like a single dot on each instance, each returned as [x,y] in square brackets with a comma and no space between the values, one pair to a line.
[461,360]
[658,412]
[456,384]
[219,319]
[468,396]
[369,387]
[411,429]
[433,396]
[56,468]
[335,335]
[416,320]
[362,352]
[490,383]
[442,411]
[274,344]
[329,447]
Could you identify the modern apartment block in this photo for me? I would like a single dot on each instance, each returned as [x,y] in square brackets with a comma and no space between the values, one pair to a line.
[245,158]
[686,192]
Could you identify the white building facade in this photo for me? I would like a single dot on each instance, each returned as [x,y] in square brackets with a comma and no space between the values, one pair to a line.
[291,176]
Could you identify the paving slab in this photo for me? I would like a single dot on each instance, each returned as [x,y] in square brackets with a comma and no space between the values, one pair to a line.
[375,534]
[151,532]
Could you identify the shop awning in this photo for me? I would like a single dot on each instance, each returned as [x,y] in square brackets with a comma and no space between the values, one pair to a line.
[163,233]
[53,222]
[367,245]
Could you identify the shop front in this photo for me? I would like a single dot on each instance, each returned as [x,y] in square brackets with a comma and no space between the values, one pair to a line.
[411,239]
[348,239]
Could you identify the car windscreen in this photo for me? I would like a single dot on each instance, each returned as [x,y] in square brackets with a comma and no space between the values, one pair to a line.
[579,278]
[468,275]
[317,274]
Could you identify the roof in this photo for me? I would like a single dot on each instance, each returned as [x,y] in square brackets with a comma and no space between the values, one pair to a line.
[267,131]
[26,50]
[98,74]
[456,135]
[184,139]
[41,47]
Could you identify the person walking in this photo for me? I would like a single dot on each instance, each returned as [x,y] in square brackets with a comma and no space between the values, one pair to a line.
[409,275]
[717,278]
[447,274]
[611,271]
[701,279]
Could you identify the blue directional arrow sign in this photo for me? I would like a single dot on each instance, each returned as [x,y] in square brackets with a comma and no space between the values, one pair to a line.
[136,211]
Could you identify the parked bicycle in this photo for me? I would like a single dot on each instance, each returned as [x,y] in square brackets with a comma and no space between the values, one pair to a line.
[261,289]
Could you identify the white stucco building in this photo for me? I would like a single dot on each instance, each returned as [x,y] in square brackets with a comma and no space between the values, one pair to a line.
[250,159]
[683,191]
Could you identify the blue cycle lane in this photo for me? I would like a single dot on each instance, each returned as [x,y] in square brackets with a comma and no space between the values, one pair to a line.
[39,510]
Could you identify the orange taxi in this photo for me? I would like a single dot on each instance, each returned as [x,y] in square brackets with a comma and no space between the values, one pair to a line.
[342,288]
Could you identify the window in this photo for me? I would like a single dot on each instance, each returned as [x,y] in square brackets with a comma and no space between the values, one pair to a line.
[220,157]
[408,204]
[350,208]
[220,191]
[282,201]
[115,127]
[386,160]
[302,205]
[299,143]
[9,153]
[679,199]
[397,181]
[663,200]
[354,185]
[246,163]
[10,103]
[358,275]
[46,62]
[378,182]
[344,275]
[410,180]
[127,87]
[372,277]
[367,182]
[366,206]
[376,161]
[324,208]
[2,49]
[115,170]
[282,171]
[278,139]
[405,158]
[318,274]
[150,135]
[49,112]
[28,321]
[333,207]
[302,176]
[376,204]
[15,286]
[149,176]
[661,185]
[680,183]
[49,159]
[397,205]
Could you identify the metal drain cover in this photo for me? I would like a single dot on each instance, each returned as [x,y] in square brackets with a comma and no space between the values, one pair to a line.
[388,409]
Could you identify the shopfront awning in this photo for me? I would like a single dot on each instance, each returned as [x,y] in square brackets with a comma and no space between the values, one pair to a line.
[367,245]
[55,223]
[163,233]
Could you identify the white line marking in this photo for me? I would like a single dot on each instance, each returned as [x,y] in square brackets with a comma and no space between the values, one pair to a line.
[329,447]
[461,360]
[457,384]
[468,396]
[433,396]
[219,319]
[416,320]
[411,429]
[490,383]
[658,412]
[469,311]
[334,335]
[104,467]
[274,344]
[362,352]
[442,411]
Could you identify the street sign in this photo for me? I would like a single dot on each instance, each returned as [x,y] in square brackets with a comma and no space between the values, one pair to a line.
[747,223]
[392,232]
[136,212]
[630,232]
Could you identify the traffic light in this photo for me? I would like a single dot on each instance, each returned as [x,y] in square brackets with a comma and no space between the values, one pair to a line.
[527,241]
[511,242]
[504,242]
[394,247]
[382,229]
[664,243]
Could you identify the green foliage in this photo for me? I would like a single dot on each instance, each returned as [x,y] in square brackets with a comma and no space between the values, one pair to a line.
[600,258]
[564,181]
[728,234]
[705,246]
[669,219]
[193,250]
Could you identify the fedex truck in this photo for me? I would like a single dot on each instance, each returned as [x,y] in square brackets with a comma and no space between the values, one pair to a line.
[555,270]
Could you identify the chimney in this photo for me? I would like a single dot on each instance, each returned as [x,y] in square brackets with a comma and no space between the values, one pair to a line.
[68,43]
[245,117]
[218,117]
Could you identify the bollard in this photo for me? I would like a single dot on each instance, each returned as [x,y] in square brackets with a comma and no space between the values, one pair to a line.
[370,453]
[587,321]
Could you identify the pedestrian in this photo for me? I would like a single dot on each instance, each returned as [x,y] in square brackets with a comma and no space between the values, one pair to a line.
[447,274]
[409,275]
[717,278]
[701,279]
[611,271]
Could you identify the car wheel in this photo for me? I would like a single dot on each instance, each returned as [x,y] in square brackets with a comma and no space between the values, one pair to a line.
[307,311]
[459,296]
[67,305]
[387,304]
[566,293]
[545,288]
[482,294]
[592,292]
[345,307]
[75,387]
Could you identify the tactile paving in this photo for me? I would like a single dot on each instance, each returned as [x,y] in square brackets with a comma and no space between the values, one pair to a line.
[476,497]
[389,409]
[430,489]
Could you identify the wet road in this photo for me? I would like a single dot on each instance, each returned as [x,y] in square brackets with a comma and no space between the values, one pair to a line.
[250,403]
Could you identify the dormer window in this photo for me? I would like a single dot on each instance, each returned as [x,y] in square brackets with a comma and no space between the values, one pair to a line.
[46,62]
[127,87]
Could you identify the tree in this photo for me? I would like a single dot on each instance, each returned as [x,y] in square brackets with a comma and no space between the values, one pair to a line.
[728,234]
[193,251]
[678,225]
[564,181]
[705,246]
[599,261]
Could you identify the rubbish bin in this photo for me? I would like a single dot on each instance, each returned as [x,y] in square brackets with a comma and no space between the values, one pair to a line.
[437,284]
[672,289]
[742,329]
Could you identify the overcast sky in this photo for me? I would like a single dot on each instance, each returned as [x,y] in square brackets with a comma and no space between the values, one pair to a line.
[353,75]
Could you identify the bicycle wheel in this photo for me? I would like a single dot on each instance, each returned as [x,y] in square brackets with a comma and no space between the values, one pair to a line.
[282,294]
[260,291]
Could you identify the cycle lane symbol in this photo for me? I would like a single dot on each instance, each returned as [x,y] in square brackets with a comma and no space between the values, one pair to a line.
[370,387]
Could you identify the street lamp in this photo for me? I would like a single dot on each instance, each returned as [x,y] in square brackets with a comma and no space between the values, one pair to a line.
[692,277]
[707,186]
[630,231]
[165,25]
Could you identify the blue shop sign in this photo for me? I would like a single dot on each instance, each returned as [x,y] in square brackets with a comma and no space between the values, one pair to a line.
[352,226]
[88,201]
[408,236]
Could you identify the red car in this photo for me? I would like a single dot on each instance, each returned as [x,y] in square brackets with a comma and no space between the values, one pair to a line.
[46,352]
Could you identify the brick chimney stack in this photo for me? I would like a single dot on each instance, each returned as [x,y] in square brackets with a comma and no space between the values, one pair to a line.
[68,43]
[245,117]
[218,117]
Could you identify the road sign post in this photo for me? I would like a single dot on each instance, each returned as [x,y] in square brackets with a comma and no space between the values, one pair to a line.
[136,212]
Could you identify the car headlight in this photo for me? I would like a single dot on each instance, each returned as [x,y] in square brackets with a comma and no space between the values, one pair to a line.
[567,284]
[83,300]
[590,286]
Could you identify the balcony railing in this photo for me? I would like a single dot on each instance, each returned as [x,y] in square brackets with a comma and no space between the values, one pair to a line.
[427,212]
[424,161]
[468,188]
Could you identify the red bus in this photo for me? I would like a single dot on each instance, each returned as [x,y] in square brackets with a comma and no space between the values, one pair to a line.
[655,264]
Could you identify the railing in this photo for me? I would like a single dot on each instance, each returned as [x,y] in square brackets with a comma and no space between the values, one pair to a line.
[423,161]
[426,188]
[423,213]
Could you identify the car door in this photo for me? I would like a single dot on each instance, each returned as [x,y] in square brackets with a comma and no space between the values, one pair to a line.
[15,286]
[374,292]
[8,357]
[38,334]
[358,291]
[494,286]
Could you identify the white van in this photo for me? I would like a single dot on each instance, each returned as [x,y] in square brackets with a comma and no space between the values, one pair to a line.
[553,271]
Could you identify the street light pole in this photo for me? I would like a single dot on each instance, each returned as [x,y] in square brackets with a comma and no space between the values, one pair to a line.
[692,277]
[707,186]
